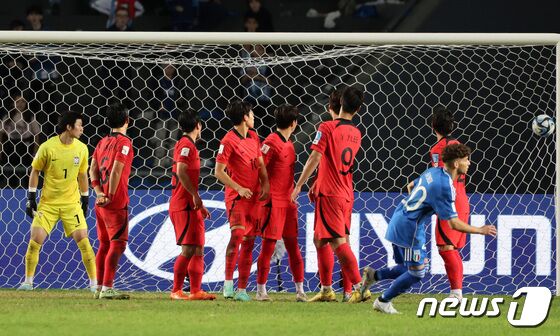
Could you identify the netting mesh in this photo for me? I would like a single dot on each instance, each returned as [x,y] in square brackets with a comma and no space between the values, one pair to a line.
[495,92]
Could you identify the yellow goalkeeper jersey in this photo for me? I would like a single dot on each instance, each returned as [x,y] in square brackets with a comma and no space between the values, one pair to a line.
[60,165]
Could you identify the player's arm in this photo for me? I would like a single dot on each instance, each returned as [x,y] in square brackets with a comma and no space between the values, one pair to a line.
[83,184]
[188,185]
[459,225]
[263,178]
[310,166]
[222,176]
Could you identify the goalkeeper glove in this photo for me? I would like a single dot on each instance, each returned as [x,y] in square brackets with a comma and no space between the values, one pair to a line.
[85,204]
[31,204]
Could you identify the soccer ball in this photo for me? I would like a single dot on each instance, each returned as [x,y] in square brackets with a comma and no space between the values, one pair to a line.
[543,125]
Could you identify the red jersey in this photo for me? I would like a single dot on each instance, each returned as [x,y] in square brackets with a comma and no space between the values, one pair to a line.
[241,157]
[339,141]
[114,147]
[279,157]
[435,156]
[185,152]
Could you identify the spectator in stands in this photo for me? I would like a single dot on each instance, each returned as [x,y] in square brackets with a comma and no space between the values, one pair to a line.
[168,97]
[122,20]
[184,14]
[251,23]
[108,7]
[19,136]
[34,16]
[16,25]
[261,14]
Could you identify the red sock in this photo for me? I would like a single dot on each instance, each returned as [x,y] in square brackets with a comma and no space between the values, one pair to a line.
[263,263]
[116,249]
[245,262]
[100,260]
[454,267]
[179,272]
[346,283]
[325,260]
[348,263]
[196,269]
[294,258]
[231,252]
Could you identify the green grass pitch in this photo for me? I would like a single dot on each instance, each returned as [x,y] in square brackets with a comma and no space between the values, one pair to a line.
[73,312]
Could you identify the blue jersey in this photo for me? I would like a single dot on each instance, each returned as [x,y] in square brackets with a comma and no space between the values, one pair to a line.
[433,193]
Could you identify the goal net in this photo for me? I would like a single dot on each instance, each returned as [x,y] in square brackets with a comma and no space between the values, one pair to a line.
[494,89]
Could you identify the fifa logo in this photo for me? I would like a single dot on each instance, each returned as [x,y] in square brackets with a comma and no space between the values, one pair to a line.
[533,312]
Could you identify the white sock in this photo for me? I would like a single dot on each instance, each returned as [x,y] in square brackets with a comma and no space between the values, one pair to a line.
[29,280]
[228,283]
[93,282]
[299,287]
[241,290]
[261,289]
[326,288]
[104,288]
[458,292]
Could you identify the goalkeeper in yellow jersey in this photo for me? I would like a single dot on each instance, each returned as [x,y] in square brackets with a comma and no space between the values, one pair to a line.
[63,159]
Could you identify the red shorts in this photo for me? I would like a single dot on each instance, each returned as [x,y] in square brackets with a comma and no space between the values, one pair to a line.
[243,213]
[332,217]
[278,222]
[445,235]
[112,224]
[189,227]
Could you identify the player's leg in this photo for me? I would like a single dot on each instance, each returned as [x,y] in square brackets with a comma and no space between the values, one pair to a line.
[325,256]
[232,249]
[271,224]
[180,221]
[295,260]
[116,222]
[341,214]
[414,261]
[42,225]
[195,252]
[74,224]
[448,241]
[245,262]
[104,243]
[349,265]
[346,283]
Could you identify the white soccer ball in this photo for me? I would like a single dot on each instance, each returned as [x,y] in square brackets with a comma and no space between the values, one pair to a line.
[543,125]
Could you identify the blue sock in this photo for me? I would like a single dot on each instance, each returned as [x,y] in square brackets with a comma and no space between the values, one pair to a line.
[400,285]
[390,273]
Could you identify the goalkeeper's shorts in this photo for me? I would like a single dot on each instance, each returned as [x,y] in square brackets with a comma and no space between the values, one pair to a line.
[71,215]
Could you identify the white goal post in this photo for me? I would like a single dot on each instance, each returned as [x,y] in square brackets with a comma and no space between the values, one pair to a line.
[495,83]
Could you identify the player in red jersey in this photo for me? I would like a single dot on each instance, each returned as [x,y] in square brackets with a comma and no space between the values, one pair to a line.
[109,173]
[278,217]
[333,109]
[449,241]
[246,183]
[335,147]
[186,210]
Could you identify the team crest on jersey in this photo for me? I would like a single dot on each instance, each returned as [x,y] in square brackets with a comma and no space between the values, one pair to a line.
[435,159]
[125,150]
[76,161]
[265,148]
[317,137]
[416,255]
[185,151]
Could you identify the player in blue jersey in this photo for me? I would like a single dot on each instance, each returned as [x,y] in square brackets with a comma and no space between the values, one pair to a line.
[433,193]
